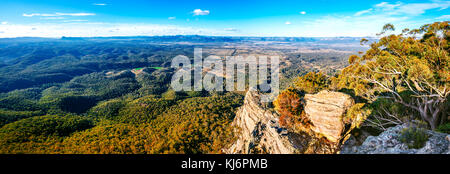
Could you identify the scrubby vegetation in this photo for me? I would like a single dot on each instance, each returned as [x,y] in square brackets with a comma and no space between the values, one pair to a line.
[409,70]
[444,128]
[144,125]
[402,78]
[414,137]
[100,96]
[194,125]
[39,134]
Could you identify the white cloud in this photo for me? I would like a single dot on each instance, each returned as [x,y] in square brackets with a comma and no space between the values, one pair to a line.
[303,12]
[58,14]
[443,17]
[381,4]
[287,23]
[386,5]
[369,21]
[420,8]
[230,29]
[172,18]
[400,8]
[53,18]
[76,20]
[363,12]
[31,15]
[355,26]
[99,4]
[88,29]
[4,23]
[200,12]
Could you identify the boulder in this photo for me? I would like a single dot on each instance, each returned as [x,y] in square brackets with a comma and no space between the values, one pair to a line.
[325,110]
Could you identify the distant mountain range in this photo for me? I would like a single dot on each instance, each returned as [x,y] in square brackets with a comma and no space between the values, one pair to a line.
[193,38]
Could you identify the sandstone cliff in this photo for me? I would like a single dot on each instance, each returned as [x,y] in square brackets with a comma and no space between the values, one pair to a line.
[325,110]
[258,130]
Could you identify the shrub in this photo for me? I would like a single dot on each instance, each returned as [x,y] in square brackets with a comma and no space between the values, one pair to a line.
[288,104]
[444,128]
[312,82]
[414,137]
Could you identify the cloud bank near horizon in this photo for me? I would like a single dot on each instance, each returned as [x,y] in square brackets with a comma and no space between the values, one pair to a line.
[364,21]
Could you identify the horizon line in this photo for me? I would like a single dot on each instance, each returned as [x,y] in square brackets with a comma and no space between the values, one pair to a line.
[123,36]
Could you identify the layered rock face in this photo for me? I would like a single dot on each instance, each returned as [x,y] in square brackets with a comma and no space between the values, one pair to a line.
[388,143]
[325,110]
[258,130]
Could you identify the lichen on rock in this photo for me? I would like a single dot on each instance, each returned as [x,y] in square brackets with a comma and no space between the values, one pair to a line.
[388,142]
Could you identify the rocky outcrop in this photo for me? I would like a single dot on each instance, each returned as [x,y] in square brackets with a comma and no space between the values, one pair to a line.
[388,143]
[325,110]
[258,130]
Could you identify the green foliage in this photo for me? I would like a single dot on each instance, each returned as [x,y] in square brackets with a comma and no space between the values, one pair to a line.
[8,116]
[96,85]
[75,104]
[170,95]
[153,82]
[357,114]
[444,128]
[109,139]
[18,103]
[414,137]
[196,93]
[107,109]
[124,125]
[49,125]
[38,63]
[143,110]
[113,97]
[383,111]
[411,71]
[312,82]
[194,125]
[39,134]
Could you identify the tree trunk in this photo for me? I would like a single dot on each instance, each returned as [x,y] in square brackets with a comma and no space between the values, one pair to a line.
[434,123]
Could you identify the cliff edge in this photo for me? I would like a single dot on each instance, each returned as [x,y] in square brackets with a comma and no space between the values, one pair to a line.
[258,131]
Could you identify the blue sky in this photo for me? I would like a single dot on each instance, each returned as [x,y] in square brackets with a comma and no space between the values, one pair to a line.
[56,18]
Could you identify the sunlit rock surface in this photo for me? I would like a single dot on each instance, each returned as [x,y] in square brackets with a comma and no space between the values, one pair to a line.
[258,130]
[325,110]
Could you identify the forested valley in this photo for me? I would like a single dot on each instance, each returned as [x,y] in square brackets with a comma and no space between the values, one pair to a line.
[113,95]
